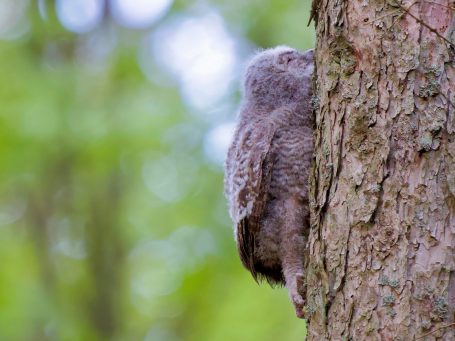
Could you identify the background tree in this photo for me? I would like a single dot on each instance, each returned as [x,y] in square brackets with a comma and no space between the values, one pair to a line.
[382,261]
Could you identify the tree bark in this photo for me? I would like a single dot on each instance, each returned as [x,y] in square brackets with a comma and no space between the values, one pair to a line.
[381,262]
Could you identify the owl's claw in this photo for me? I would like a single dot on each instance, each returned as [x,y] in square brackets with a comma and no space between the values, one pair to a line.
[297,295]
[299,306]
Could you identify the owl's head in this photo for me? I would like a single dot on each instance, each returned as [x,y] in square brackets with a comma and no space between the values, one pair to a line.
[279,76]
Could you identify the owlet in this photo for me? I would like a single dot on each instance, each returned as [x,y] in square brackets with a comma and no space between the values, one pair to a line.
[267,166]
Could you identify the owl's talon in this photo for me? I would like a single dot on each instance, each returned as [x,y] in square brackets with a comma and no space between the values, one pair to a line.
[299,306]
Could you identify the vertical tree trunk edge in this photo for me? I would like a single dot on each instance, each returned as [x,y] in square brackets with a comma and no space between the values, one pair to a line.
[381,258]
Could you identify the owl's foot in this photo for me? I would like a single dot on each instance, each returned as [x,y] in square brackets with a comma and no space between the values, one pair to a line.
[299,306]
[297,292]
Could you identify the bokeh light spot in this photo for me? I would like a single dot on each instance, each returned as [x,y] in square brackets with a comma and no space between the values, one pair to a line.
[170,177]
[139,13]
[201,54]
[13,23]
[79,16]
[216,142]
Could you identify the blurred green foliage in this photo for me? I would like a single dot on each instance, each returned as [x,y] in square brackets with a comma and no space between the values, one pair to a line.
[113,224]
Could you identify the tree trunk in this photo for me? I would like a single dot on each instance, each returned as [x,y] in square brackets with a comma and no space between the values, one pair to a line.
[381,248]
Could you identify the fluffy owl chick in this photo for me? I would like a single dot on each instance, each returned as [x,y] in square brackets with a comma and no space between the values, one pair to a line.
[267,167]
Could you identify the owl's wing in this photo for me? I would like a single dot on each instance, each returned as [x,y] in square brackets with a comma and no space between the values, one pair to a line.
[248,172]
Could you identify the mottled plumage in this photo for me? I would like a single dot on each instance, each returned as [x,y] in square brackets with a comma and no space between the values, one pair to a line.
[267,168]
